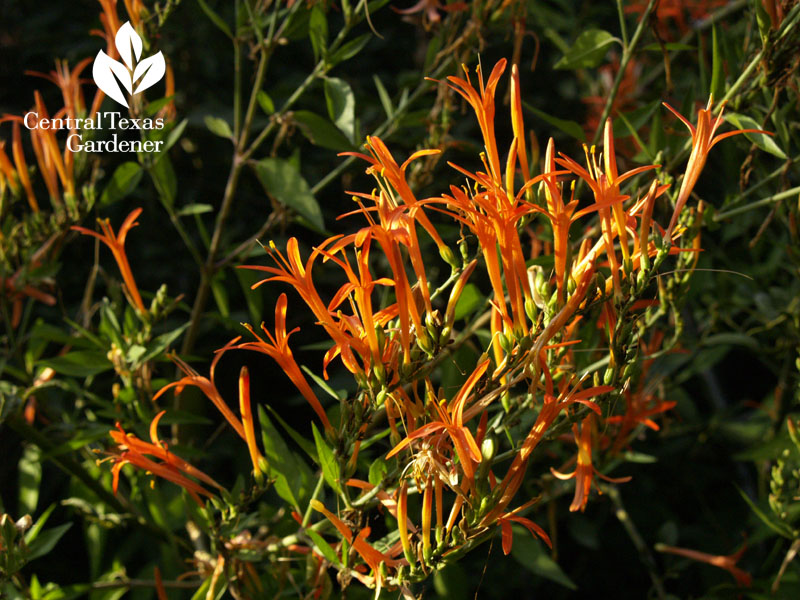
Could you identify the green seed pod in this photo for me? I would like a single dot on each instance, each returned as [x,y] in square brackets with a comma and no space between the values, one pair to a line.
[488,448]
[505,343]
[530,310]
[448,257]
[380,398]
[463,248]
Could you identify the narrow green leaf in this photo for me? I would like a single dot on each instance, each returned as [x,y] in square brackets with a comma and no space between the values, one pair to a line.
[218,127]
[323,546]
[530,553]
[194,209]
[330,467]
[321,383]
[778,528]
[292,476]
[220,292]
[163,176]
[384,97]
[318,32]
[283,181]
[571,128]
[717,75]
[81,363]
[30,477]
[161,343]
[668,46]
[350,49]
[124,180]
[174,135]
[253,297]
[341,105]
[300,440]
[588,50]
[47,540]
[320,131]
[762,140]
[265,102]
[34,531]
[215,18]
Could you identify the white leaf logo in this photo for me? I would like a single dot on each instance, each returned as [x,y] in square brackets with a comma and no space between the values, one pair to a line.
[135,75]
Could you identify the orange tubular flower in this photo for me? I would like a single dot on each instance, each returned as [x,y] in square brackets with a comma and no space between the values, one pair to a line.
[172,468]
[247,420]
[483,105]
[368,553]
[290,269]
[359,289]
[585,471]
[116,242]
[22,166]
[206,386]
[703,140]
[742,577]
[605,187]
[507,533]
[451,421]
[278,349]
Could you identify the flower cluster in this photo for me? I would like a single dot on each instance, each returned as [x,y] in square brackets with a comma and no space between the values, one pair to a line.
[564,274]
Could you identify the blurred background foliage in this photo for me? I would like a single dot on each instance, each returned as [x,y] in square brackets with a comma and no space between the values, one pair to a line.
[721,473]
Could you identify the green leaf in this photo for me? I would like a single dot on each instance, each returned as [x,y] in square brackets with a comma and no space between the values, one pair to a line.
[323,546]
[37,527]
[530,553]
[283,182]
[717,75]
[571,128]
[350,49]
[384,97]
[194,209]
[163,176]
[588,50]
[634,120]
[47,540]
[330,467]
[81,363]
[220,292]
[124,180]
[341,105]
[318,32]
[320,131]
[173,136]
[215,18]
[762,140]
[292,476]
[779,528]
[253,297]
[377,471]
[321,382]
[30,477]
[469,301]
[161,343]
[300,440]
[669,47]
[265,102]
[218,127]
